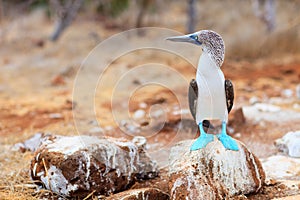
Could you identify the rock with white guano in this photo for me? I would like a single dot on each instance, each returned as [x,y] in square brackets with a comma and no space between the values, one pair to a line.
[77,165]
[289,144]
[213,172]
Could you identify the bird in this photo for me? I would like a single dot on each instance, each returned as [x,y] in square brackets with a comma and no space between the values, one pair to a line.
[210,96]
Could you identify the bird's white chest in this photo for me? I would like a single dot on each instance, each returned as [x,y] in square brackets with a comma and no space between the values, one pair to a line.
[211,102]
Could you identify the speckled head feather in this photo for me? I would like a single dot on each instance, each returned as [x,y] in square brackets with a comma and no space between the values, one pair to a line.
[213,44]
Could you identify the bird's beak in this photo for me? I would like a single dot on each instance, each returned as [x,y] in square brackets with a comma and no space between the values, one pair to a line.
[184,38]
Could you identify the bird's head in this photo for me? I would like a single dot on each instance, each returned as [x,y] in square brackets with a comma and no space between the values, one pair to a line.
[210,41]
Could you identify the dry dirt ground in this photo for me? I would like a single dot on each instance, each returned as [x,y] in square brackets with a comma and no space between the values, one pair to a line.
[37,81]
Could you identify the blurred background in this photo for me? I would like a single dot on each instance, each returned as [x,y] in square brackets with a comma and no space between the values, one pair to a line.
[246,25]
[43,44]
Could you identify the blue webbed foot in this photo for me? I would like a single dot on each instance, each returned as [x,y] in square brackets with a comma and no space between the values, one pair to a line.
[203,140]
[227,141]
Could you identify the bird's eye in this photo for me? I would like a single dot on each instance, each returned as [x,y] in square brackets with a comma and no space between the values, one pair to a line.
[196,37]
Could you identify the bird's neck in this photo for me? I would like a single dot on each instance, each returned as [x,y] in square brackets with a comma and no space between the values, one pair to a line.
[207,66]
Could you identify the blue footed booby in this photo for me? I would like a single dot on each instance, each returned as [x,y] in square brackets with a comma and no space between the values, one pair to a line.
[210,95]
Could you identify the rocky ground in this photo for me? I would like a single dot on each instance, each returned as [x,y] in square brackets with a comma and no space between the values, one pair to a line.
[36,87]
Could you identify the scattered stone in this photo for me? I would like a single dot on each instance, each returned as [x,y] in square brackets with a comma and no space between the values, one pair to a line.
[58,80]
[96,130]
[213,172]
[157,113]
[289,144]
[270,113]
[136,82]
[263,107]
[32,143]
[280,167]
[130,126]
[181,112]
[108,128]
[69,104]
[95,37]
[76,165]
[39,42]
[298,91]
[68,71]
[55,116]
[238,135]
[296,106]
[140,194]
[280,100]
[139,114]
[143,105]
[287,93]
[254,100]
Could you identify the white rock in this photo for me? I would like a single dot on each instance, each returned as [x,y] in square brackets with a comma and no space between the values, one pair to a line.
[143,105]
[280,100]
[269,113]
[254,100]
[263,107]
[287,93]
[55,116]
[108,128]
[298,91]
[96,130]
[296,106]
[281,167]
[130,127]
[181,112]
[157,113]
[237,135]
[76,165]
[212,172]
[139,114]
[290,144]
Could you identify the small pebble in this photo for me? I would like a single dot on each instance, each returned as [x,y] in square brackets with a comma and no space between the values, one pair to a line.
[296,106]
[290,144]
[96,130]
[139,141]
[108,128]
[139,114]
[267,107]
[143,105]
[55,115]
[182,112]
[237,135]
[298,91]
[157,113]
[254,100]
[230,130]
[287,93]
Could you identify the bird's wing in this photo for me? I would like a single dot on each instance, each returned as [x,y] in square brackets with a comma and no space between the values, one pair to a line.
[229,94]
[193,95]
